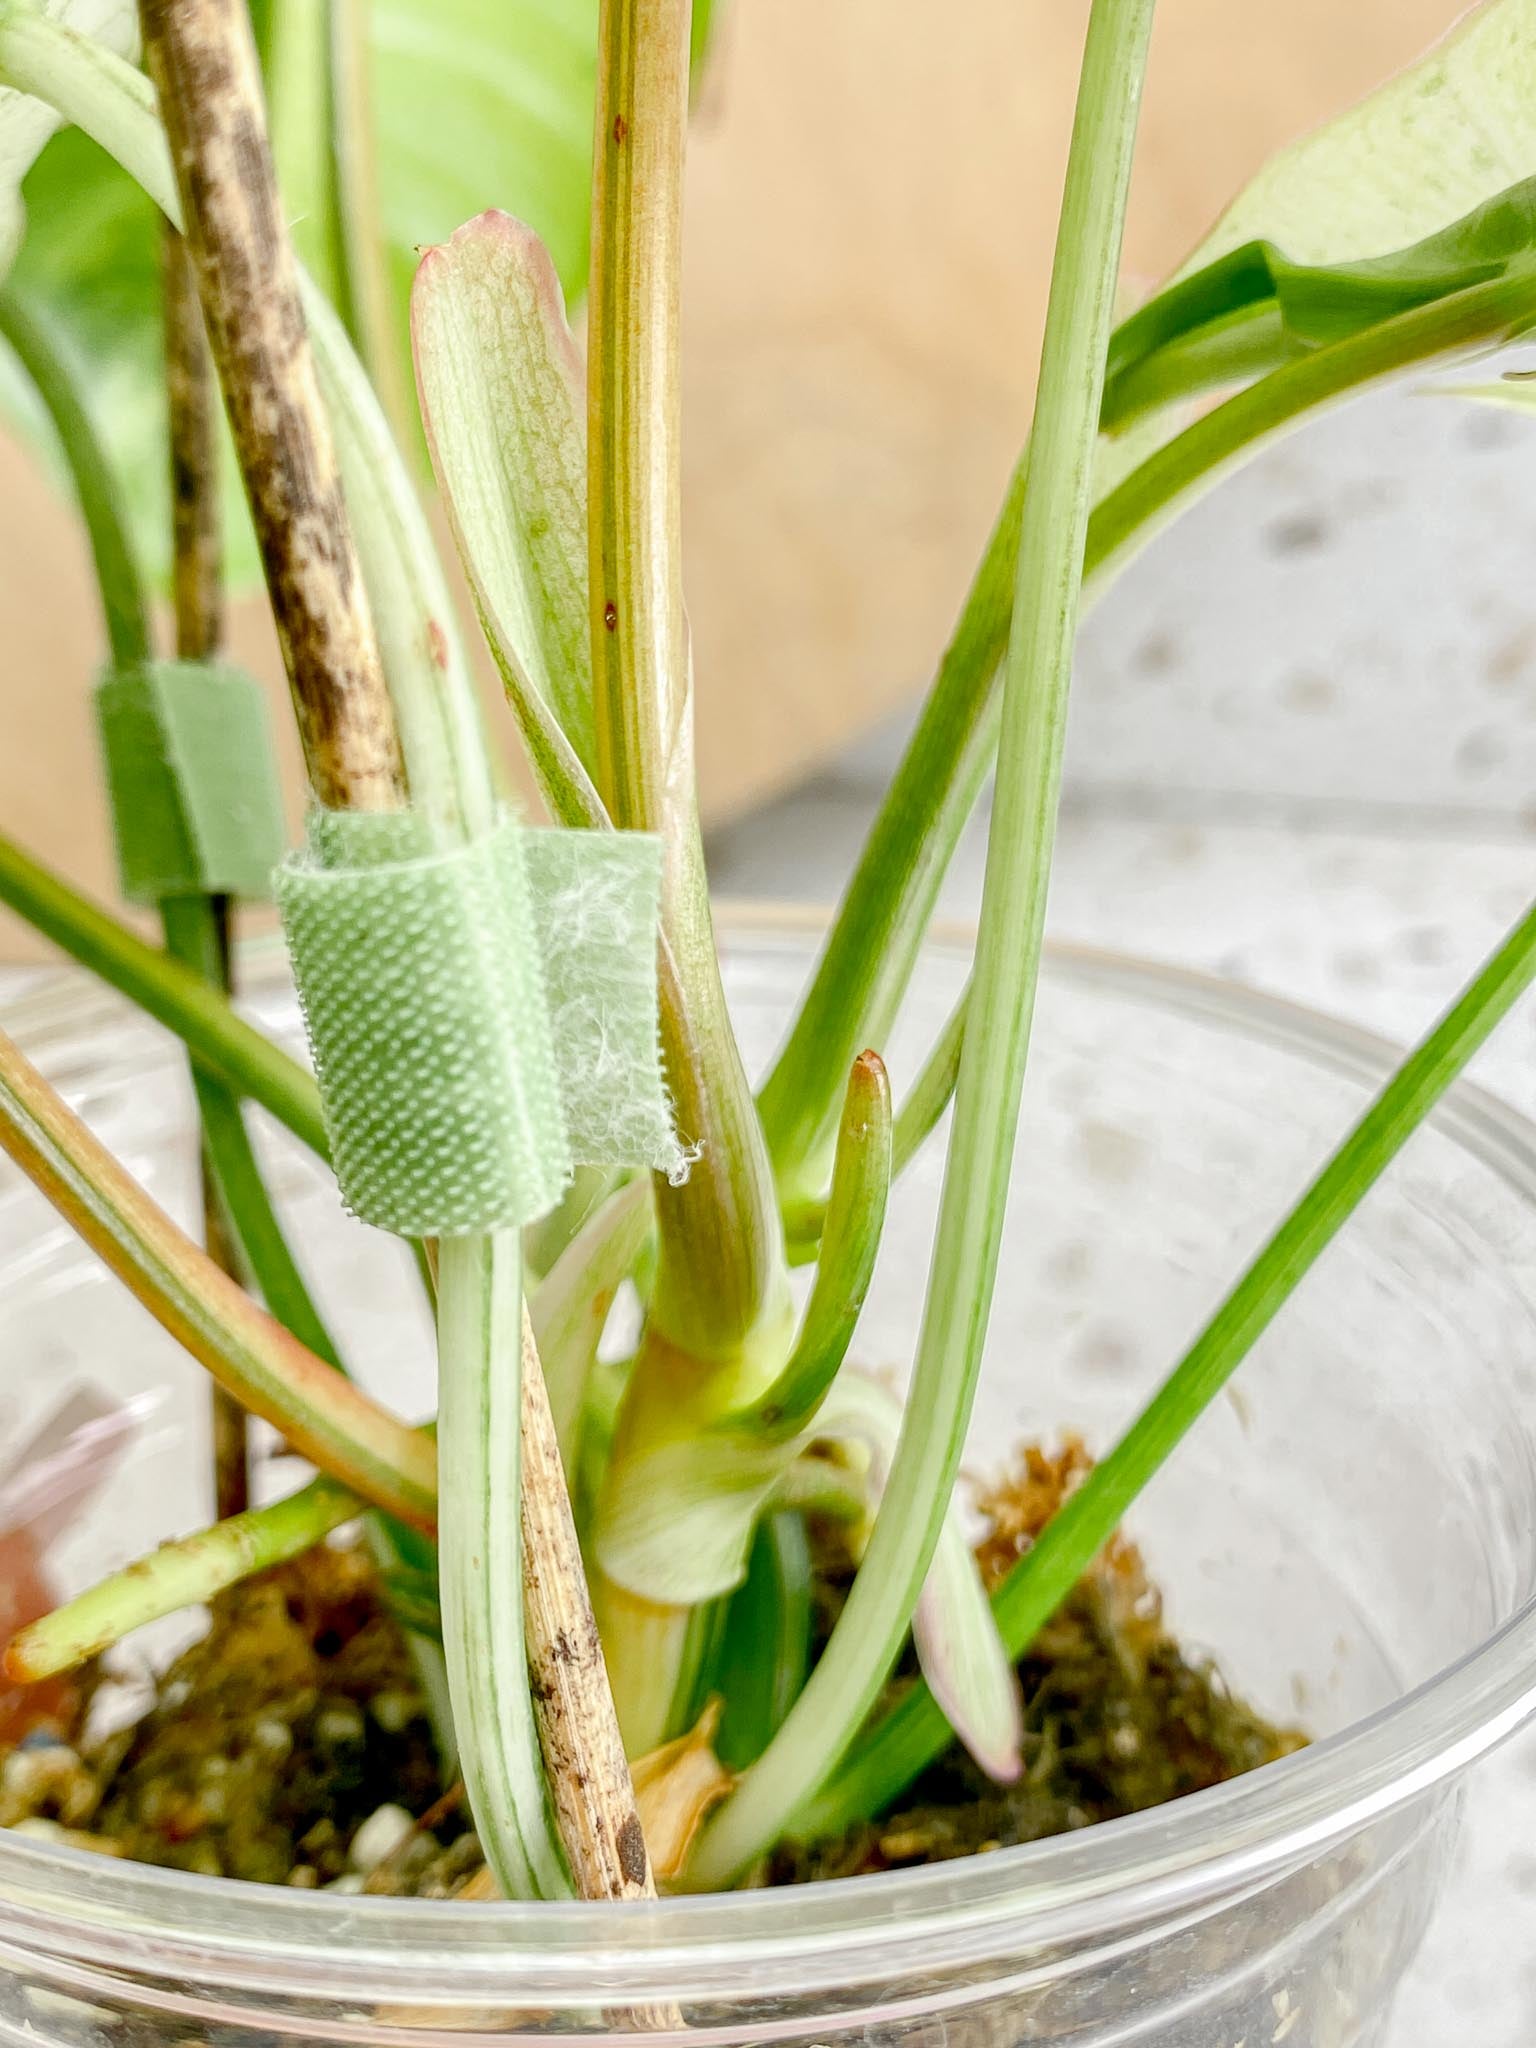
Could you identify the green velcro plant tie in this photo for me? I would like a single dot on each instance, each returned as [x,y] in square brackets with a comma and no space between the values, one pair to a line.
[192,779]
[596,904]
[482,1016]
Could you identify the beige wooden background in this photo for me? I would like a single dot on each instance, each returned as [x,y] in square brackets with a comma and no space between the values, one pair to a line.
[872,199]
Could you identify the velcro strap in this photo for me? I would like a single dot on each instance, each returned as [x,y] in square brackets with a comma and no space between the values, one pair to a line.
[481,1017]
[192,779]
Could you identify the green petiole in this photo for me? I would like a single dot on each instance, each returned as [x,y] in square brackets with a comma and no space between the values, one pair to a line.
[868,1636]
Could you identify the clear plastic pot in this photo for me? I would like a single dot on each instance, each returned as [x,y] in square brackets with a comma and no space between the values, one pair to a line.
[1353,1532]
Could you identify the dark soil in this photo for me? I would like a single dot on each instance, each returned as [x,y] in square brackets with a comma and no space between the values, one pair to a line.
[290,1745]
[1117,1717]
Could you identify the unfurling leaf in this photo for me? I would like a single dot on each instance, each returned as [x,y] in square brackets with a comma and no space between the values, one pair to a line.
[502,396]
[954,1631]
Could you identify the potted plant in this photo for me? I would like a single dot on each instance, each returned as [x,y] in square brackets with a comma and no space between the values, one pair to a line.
[644,1608]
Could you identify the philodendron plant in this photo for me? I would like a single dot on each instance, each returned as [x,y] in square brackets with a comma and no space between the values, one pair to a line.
[525,1062]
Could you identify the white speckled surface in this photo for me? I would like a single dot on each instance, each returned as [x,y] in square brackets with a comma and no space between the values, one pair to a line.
[1303,755]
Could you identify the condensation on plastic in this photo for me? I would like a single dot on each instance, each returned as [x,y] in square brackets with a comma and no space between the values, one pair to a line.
[482,1016]
[192,778]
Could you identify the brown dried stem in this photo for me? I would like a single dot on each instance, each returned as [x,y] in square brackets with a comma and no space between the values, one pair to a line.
[589,1780]
[192,407]
[202,59]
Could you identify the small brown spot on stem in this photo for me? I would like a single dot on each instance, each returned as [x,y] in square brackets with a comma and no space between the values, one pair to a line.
[620,129]
[632,1850]
[611,616]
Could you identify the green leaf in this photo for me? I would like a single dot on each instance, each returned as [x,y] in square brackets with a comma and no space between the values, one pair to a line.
[765,1648]
[26,124]
[1257,307]
[471,100]
[502,397]
[90,267]
[1423,150]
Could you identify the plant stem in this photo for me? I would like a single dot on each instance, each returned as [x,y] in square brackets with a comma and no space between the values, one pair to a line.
[197,549]
[125,607]
[169,992]
[873,945]
[203,62]
[188,1573]
[911,1735]
[322,1415]
[481,1573]
[868,1637]
[588,1772]
[364,248]
[850,1243]
[197,929]
[721,1266]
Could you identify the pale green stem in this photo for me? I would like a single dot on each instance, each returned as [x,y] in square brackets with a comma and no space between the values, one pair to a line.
[874,1623]
[125,608]
[200,1015]
[188,1573]
[721,1272]
[249,1353]
[364,243]
[479,1433]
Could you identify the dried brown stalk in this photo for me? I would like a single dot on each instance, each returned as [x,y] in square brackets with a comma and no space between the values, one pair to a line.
[203,61]
[590,1786]
[196,540]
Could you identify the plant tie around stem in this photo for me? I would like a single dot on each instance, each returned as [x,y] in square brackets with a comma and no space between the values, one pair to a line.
[482,1015]
[192,780]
